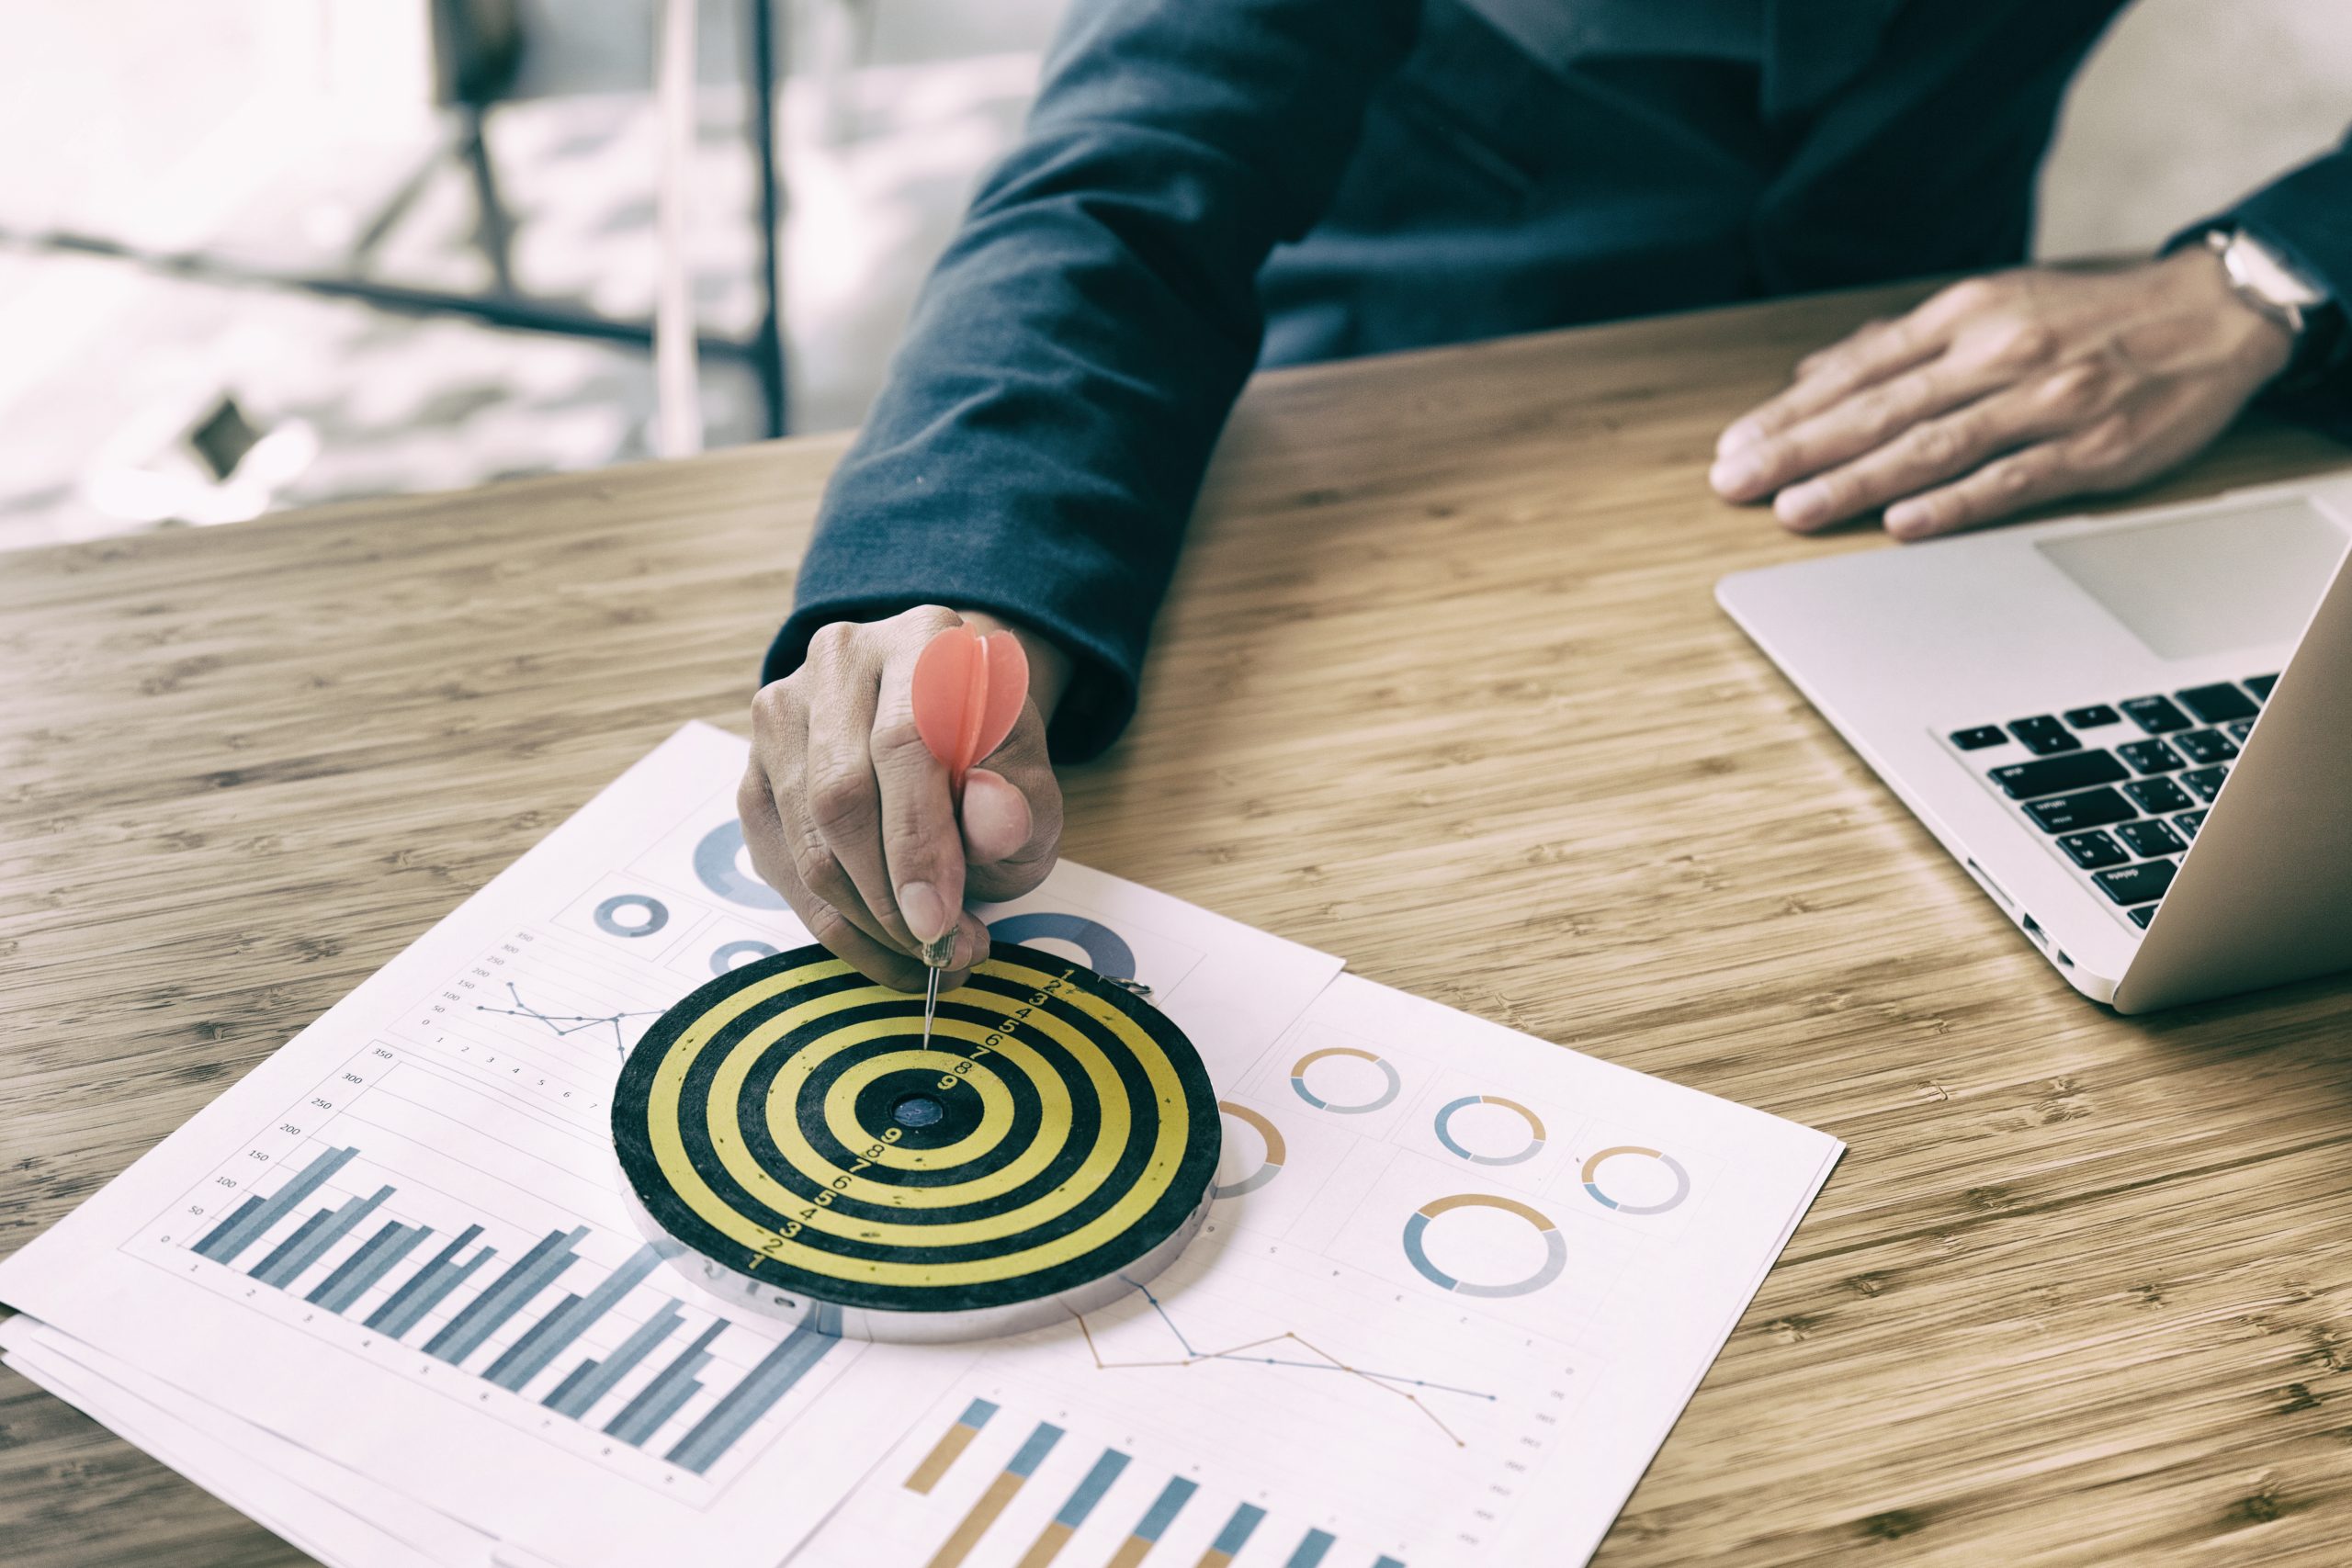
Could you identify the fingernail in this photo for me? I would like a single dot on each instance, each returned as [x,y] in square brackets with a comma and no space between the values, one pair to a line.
[1736,435]
[1735,474]
[1905,520]
[924,912]
[1802,505]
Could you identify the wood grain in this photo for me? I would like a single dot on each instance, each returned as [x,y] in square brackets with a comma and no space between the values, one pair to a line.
[2078,1294]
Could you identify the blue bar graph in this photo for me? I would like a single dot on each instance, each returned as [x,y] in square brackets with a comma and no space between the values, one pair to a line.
[1155,1521]
[483,1316]
[339,1224]
[377,1257]
[305,1255]
[556,1331]
[236,1233]
[1310,1550]
[670,1387]
[394,1316]
[1235,1535]
[1387,1561]
[591,1379]
[751,1398]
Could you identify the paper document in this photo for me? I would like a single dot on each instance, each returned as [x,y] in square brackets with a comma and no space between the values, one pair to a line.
[1457,1285]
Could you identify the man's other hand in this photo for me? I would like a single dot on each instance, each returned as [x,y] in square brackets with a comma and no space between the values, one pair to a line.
[847,814]
[2007,392]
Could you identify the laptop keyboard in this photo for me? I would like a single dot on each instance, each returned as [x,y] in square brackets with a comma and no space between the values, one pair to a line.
[2119,789]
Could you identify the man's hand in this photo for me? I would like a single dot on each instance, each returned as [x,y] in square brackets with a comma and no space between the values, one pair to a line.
[2007,392]
[846,812]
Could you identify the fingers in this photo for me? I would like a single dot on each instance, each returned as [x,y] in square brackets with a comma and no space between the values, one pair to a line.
[1848,429]
[1012,814]
[922,853]
[1874,354]
[1926,455]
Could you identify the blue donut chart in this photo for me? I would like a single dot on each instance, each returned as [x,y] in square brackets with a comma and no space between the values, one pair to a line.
[1534,1127]
[1107,953]
[1590,1177]
[1393,1084]
[1417,1224]
[654,914]
[730,956]
[715,864]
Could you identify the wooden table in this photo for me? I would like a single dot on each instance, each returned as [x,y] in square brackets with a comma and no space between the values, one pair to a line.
[2081,1292]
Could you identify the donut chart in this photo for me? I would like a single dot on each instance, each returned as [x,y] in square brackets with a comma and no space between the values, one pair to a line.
[1053,1145]
[1417,1224]
[1106,951]
[1276,1152]
[730,956]
[650,915]
[1298,1081]
[718,867]
[1534,1128]
[1590,1177]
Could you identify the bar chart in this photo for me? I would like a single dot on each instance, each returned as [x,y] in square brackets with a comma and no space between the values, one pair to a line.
[502,1300]
[436,1207]
[1004,1491]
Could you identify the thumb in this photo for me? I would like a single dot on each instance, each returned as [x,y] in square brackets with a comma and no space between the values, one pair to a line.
[996,818]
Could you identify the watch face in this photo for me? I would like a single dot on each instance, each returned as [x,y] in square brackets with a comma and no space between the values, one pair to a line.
[2257,269]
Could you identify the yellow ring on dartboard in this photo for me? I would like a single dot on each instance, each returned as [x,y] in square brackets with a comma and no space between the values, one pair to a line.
[726,1094]
[996,1113]
[1160,1165]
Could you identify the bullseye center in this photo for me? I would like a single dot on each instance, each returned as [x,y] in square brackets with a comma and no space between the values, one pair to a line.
[917,1111]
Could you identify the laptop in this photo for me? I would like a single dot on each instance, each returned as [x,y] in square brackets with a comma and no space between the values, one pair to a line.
[2134,732]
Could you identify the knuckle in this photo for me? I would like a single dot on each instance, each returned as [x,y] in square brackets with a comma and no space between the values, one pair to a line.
[2105,446]
[771,704]
[897,737]
[832,641]
[842,800]
[2074,389]
[1938,444]
[1969,295]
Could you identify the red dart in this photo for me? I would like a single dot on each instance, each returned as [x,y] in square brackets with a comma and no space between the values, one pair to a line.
[969,691]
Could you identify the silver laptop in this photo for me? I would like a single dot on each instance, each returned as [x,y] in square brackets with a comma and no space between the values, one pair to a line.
[2135,731]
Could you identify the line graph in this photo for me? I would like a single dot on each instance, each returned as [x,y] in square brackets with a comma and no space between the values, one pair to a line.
[1397,1383]
[564,1023]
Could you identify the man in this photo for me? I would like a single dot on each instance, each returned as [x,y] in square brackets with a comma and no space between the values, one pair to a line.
[1206,186]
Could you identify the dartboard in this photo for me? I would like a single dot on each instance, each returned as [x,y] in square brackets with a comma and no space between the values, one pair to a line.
[785,1126]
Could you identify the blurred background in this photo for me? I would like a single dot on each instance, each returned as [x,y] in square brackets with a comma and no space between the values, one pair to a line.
[262,254]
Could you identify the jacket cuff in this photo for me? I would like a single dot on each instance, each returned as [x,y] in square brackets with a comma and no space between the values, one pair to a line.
[1103,676]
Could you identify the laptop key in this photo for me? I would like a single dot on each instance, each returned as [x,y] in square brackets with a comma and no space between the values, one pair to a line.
[2157,797]
[2141,883]
[2156,714]
[2051,775]
[2043,735]
[2150,839]
[2079,813]
[2150,757]
[2206,782]
[2260,685]
[2218,704]
[2189,822]
[2142,915]
[2240,728]
[1976,739]
[2094,849]
[2205,746]
[2093,716]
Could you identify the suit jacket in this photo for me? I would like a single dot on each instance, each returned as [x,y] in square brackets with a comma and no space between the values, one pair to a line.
[1206,186]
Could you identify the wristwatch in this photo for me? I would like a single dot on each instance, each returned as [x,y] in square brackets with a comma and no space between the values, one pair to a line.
[2268,284]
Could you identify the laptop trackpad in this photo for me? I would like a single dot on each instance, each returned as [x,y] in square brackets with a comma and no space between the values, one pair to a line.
[2208,583]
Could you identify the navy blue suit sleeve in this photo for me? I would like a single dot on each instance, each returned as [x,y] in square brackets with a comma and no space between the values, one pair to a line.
[1045,427]
[2305,215]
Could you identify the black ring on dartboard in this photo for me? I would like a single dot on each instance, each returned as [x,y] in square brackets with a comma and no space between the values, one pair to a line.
[1163,1193]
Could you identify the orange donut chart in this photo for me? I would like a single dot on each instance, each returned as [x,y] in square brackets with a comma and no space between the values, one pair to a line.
[1276,1151]
[1590,1177]
[1555,1245]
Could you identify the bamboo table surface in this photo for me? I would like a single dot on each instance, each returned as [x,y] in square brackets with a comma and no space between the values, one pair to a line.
[2081,1291]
